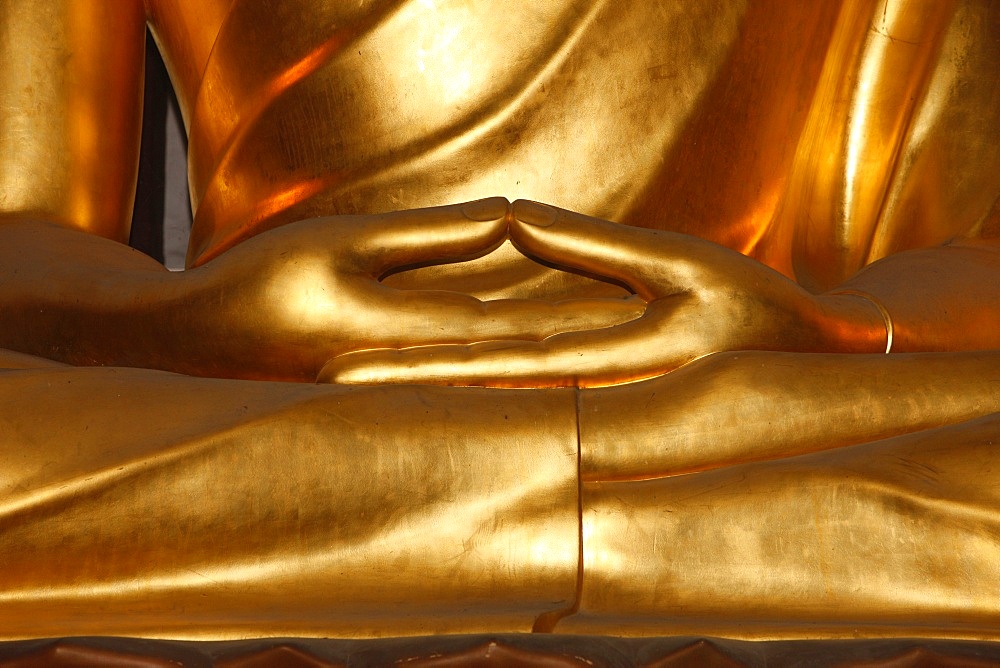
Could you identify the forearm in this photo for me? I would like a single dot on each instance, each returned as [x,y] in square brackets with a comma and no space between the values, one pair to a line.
[939,299]
[84,300]
[749,406]
[79,298]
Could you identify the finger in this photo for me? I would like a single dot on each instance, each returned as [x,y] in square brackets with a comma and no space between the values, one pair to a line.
[646,260]
[378,244]
[424,317]
[593,358]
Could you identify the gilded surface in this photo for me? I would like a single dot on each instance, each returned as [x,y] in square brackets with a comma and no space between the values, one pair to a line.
[704,437]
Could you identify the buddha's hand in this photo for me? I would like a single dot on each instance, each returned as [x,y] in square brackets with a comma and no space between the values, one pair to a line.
[287,301]
[702,298]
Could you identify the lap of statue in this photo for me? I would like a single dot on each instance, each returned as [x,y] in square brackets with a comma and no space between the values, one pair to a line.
[191,507]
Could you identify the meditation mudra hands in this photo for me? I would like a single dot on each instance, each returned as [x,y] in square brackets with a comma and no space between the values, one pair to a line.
[701,298]
[298,299]
[312,288]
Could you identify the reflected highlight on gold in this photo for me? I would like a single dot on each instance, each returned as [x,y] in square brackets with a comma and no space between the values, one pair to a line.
[658,249]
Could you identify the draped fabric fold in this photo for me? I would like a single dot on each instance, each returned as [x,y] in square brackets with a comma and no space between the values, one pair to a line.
[815,137]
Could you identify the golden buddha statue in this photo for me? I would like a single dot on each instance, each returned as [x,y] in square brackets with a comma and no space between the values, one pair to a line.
[691,424]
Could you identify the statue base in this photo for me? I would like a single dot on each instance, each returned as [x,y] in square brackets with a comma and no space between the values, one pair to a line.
[548,650]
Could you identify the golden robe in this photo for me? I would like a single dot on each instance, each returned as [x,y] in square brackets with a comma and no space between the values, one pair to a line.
[816,137]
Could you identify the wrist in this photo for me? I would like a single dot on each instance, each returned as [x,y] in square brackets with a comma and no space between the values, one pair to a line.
[180,321]
[855,322]
[128,324]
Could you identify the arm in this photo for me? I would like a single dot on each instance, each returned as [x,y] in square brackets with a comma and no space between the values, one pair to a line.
[70,120]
